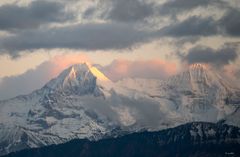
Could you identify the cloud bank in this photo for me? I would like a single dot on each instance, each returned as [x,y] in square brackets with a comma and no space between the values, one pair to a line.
[123,24]
[217,57]
[34,15]
[36,78]
[84,36]
[155,69]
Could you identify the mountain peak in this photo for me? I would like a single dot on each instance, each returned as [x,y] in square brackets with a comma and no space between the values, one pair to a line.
[74,70]
[196,66]
[200,78]
[78,72]
[78,79]
[78,68]
[200,72]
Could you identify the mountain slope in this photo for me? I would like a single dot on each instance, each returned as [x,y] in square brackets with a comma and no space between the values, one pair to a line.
[189,140]
[83,103]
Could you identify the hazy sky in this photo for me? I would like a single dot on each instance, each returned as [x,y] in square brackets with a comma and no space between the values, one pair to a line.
[158,36]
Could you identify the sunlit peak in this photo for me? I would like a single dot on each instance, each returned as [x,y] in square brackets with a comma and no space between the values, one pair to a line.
[98,74]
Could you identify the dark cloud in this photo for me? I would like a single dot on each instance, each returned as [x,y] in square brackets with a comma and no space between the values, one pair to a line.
[84,36]
[129,10]
[192,26]
[218,57]
[89,12]
[134,11]
[175,7]
[138,10]
[230,22]
[34,15]
[103,36]
[119,32]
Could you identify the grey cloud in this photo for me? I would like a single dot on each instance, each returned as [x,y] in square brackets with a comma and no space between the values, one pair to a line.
[89,12]
[137,10]
[193,26]
[95,36]
[103,36]
[134,11]
[84,36]
[117,35]
[230,22]
[129,10]
[175,7]
[34,15]
[219,57]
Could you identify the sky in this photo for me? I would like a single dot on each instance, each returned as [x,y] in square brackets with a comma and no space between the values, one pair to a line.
[124,38]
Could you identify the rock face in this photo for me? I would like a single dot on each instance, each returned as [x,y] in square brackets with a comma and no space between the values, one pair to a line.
[83,103]
[196,139]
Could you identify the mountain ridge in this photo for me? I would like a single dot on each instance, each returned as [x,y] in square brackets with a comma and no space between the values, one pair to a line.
[191,139]
[83,103]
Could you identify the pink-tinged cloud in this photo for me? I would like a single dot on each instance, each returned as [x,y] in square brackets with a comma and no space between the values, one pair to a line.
[158,69]
[62,62]
[36,78]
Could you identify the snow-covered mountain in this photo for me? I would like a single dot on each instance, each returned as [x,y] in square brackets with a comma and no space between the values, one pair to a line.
[83,103]
[58,112]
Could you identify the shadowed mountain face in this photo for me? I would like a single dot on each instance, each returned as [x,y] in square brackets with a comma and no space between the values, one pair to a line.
[189,140]
[82,103]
